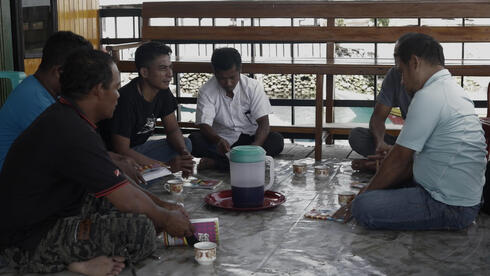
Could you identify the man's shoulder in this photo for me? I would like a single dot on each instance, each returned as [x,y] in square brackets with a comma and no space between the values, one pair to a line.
[166,94]
[249,82]
[210,85]
[128,90]
[30,92]
[249,85]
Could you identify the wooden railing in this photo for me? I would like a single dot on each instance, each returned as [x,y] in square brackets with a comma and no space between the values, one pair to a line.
[316,34]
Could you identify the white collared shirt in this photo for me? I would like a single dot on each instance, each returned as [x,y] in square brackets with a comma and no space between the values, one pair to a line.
[230,117]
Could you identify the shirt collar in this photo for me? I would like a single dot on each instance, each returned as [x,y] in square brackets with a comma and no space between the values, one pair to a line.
[437,76]
[69,103]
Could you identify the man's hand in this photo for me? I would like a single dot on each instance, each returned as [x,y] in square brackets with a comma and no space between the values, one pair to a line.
[176,224]
[383,149]
[172,207]
[129,167]
[223,146]
[182,163]
[344,213]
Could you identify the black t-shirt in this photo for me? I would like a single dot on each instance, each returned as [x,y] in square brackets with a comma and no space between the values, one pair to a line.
[48,171]
[134,117]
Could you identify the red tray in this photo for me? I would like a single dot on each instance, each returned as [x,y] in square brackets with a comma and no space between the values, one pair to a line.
[223,200]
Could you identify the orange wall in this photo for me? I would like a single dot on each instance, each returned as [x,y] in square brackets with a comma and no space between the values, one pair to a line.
[78,16]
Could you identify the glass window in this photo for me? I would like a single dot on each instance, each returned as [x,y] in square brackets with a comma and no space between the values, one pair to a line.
[276,53]
[306,115]
[477,21]
[354,51]
[195,52]
[304,86]
[127,77]
[187,112]
[38,24]
[162,21]
[310,52]
[452,51]
[385,51]
[125,27]
[276,86]
[354,22]
[352,114]
[238,22]
[281,116]
[397,22]
[476,87]
[354,87]
[190,83]
[477,50]
[108,27]
[441,22]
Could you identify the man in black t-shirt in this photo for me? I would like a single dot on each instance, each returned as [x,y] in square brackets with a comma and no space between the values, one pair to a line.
[142,102]
[63,202]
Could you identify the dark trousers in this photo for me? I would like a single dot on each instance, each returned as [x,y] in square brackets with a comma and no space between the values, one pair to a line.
[201,147]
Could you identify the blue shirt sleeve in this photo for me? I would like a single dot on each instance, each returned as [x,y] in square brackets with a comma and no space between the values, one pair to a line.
[391,83]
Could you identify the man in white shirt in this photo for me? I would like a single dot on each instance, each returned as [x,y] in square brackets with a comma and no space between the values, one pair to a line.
[433,176]
[232,110]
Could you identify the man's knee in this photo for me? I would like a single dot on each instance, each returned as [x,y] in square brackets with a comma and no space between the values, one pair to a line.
[362,211]
[361,141]
[198,143]
[141,240]
[275,144]
[357,135]
[127,235]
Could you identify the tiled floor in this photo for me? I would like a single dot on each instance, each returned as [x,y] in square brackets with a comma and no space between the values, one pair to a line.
[282,242]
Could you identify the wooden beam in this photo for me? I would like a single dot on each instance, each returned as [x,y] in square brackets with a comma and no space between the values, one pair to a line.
[345,128]
[282,129]
[188,34]
[317,9]
[329,69]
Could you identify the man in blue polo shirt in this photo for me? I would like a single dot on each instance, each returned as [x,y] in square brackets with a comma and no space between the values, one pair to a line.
[37,92]
[434,175]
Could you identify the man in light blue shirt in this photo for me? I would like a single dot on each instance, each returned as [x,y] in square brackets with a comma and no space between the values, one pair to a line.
[37,92]
[434,175]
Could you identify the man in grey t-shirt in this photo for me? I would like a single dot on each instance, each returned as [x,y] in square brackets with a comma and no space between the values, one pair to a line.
[374,140]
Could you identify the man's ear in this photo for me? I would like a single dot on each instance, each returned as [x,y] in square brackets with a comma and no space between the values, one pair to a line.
[56,71]
[144,72]
[415,62]
[97,90]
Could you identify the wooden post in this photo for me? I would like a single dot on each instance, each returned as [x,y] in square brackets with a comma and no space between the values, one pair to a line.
[330,83]
[318,117]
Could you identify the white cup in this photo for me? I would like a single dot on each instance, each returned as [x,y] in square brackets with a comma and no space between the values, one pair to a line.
[174,186]
[205,252]
[346,197]
[321,172]
[299,169]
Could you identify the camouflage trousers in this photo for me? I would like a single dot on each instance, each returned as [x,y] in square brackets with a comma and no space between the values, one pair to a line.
[100,230]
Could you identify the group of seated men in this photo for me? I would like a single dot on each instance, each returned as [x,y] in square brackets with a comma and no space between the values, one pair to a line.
[69,190]
[72,143]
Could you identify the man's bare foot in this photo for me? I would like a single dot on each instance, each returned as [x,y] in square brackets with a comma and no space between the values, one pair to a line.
[206,164]
[99,266]
[364,165]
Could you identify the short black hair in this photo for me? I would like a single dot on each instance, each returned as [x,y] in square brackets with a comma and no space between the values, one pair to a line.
[421,45]
[225,58]
[83,70]
[148,52]
[60,45]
